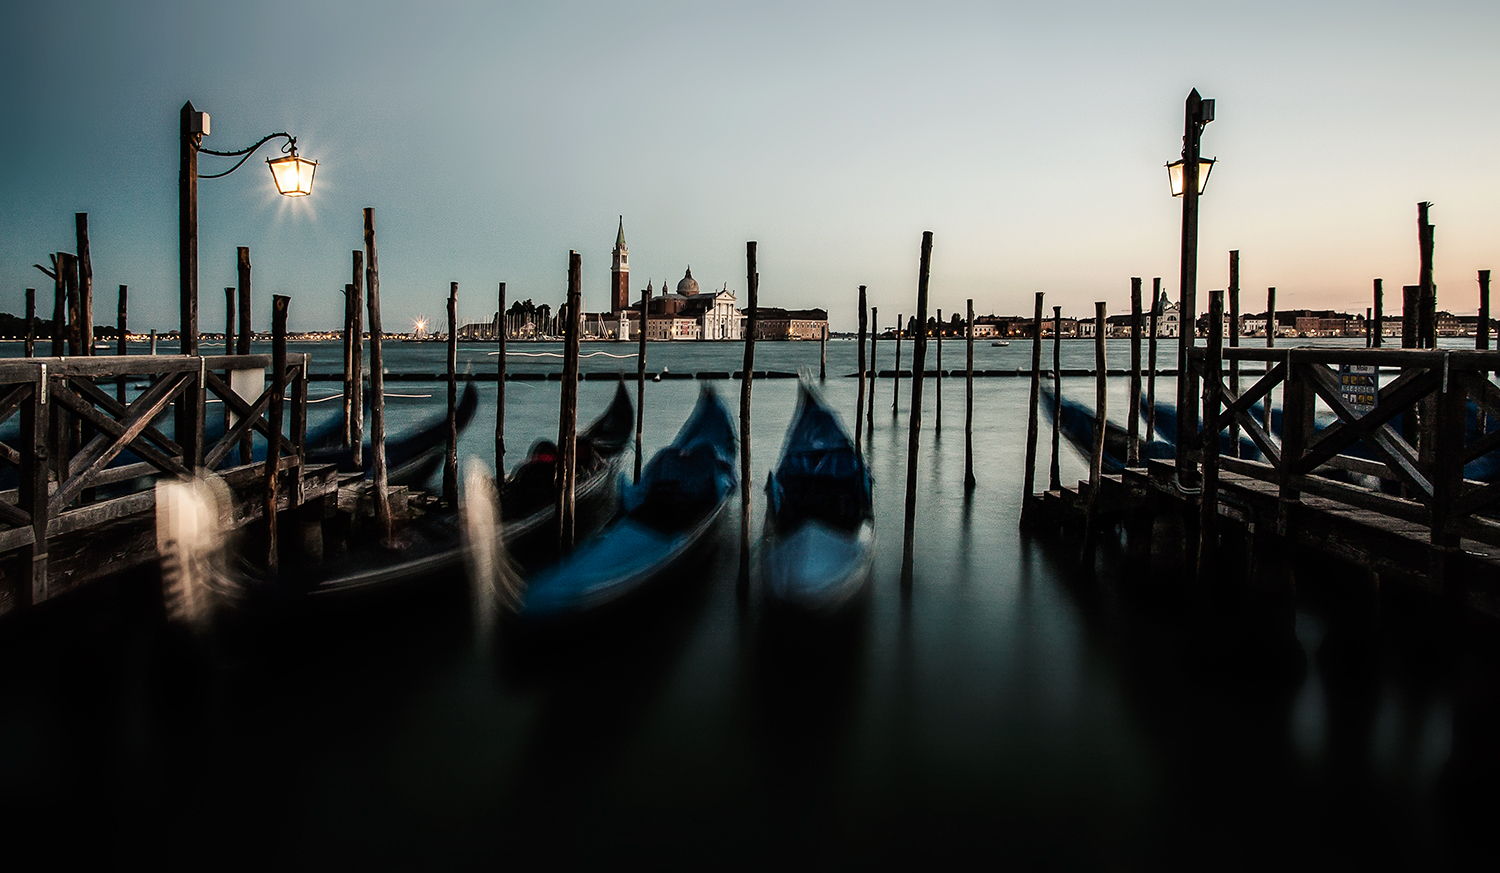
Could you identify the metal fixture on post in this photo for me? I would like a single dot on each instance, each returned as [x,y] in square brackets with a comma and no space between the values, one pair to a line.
[1189,177]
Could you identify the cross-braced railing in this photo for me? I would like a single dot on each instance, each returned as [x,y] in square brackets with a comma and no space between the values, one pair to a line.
[1434,415]
[82,457]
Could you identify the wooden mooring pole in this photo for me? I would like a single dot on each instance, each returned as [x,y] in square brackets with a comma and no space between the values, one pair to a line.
[1379,330]
[1133,428]
[1096,457]
[823,354]
[357,364]
[1234,342]
[896,381]
[122,329]
[1410,334]
[246,332]
[151,342]
[1208,503]
[1054,475]
[228,350]
[59,307]
[279,304]
[30,322]
[747,377]
[937,385]
[969,480]
[1028,493]
[914,430]
[874,339]
[567,430]
[640,382]
[450,454]
[1155,319]
[85,286]
[348,364]
[69,265]
[1427,308]
[382,493]
[1482,329]
[1265,403]
[500,388]
[859,403]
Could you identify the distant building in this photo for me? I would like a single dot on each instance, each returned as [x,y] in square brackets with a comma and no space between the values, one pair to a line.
[773,323]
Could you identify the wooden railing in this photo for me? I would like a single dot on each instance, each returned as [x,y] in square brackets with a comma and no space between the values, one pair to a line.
[1415,441]
[73,434]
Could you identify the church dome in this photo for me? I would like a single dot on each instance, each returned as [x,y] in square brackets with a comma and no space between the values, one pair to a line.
[688,286]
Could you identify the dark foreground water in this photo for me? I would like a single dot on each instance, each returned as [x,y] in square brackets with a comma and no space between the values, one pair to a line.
[1013,709]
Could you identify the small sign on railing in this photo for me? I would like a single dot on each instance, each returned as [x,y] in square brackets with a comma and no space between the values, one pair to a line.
[1359,385]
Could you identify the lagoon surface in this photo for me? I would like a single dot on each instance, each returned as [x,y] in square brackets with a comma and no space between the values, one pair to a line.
[1010,708]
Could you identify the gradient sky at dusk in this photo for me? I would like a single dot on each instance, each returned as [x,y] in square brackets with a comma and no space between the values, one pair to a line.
[492,139]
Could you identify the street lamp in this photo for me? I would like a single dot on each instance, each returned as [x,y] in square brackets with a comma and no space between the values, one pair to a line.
[292,173]
[1189,176]
[293,176]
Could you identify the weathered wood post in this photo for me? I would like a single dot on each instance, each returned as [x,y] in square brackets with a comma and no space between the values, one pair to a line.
[450,454]
[1482,329]
[1033,414]
[151,342]
[32,491]
[1379,330]
[69,265]
[1133,428]
[349,340]
[1101,400]
[1096,456]
[228,350]
[59,307]
[273,442]
[122,330]
[377,387]
[1234,343]
[567,430]
[747,377]
[357,364]
[859,403]
[85,285]
[896,381]
[500,339]
[937,415]
[1369,322]
[969,480]
[823,354]
[1155,319]
[1427,309]
[640,382]
[874,339]
[1411,336]
[1054,476]
[1208,504]
[914,430]
[1265,403]
[30,322]
[246,331]
[190,134]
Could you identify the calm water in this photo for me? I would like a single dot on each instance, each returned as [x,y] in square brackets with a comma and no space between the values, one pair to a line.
[1012,708]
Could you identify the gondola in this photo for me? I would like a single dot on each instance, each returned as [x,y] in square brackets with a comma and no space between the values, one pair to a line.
[433,544]
[820,529]
[683,492]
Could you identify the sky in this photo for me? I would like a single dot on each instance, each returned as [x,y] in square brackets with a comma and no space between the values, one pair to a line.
[492,139]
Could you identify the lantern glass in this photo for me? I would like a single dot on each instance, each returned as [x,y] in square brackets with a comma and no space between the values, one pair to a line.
[1175,174]
[293,175]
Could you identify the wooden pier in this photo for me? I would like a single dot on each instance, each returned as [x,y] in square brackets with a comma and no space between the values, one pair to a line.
[1376,481]
[75,513]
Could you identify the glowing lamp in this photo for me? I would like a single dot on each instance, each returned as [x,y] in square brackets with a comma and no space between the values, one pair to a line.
[293,174]
[1174,174]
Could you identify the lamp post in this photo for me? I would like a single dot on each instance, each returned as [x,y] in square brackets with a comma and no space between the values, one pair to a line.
[293,176]
[1188,177]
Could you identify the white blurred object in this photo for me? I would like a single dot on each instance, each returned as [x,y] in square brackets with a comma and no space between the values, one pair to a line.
[492,578]
[191,516]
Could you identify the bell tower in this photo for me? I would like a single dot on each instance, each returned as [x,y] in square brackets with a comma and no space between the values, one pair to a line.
[619,273]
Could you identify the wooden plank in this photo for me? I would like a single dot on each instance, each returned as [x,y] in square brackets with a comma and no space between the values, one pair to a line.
[112,406]
[101,450]
[1394,450]
[111,431]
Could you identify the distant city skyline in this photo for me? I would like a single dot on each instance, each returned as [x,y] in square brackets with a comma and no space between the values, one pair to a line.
[491,141]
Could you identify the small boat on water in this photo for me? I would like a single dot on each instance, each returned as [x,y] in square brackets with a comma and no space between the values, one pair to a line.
[820,526]
[682,494]
[433,543]
[1000,343]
